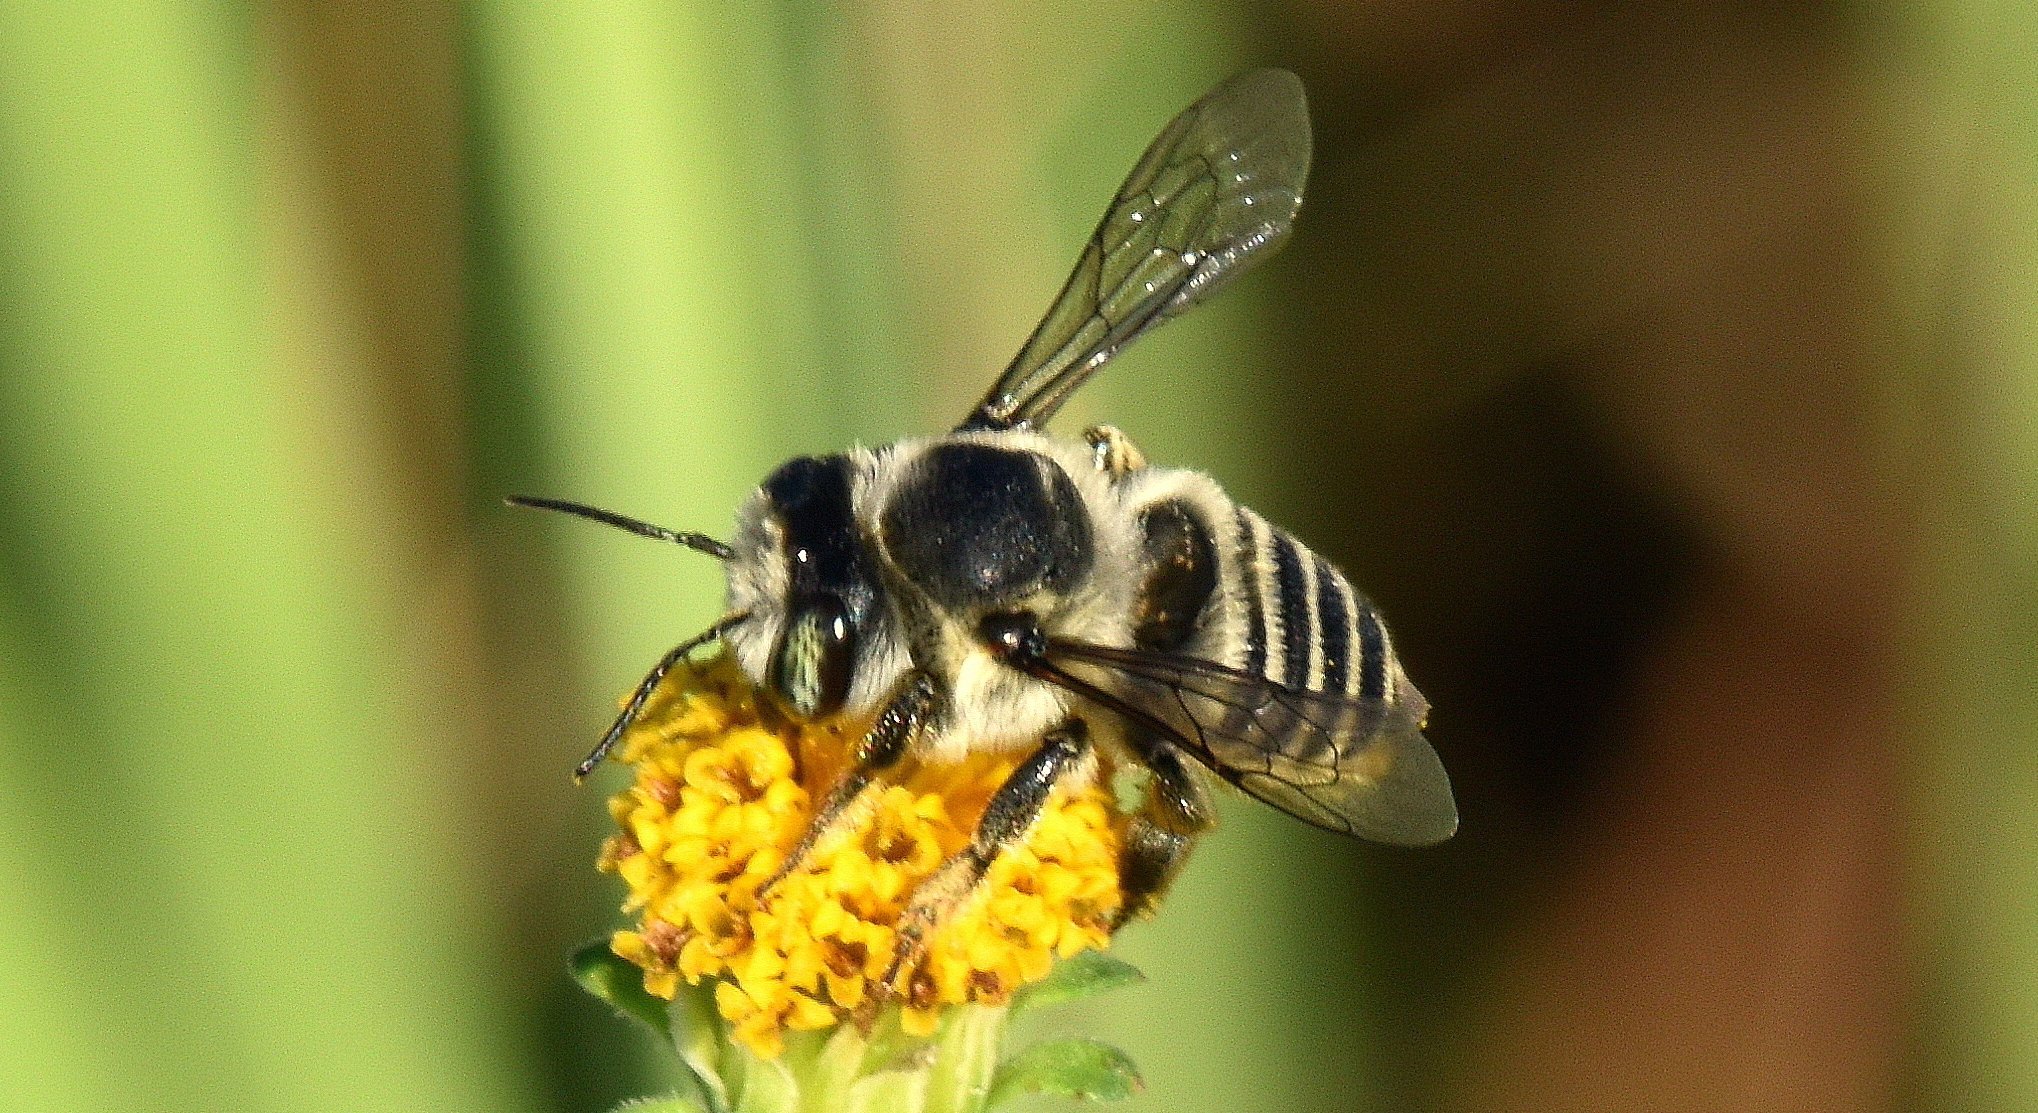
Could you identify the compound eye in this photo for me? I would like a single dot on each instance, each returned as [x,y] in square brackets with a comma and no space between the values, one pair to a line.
[816,658]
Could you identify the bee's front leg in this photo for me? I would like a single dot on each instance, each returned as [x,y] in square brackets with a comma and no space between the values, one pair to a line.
[1008,818]
[846,804]
[642,694]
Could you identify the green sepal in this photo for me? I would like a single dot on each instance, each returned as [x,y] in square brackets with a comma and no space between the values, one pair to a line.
[612,978]
[764,1085]
[1073,1068]
[965,1058]
[888,1047]
[674,1104]
[1078,977]
[831,1069]
[891,1091]
[699,1035]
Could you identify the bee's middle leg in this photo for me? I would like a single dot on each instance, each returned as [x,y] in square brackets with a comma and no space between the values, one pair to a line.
[850,799]
[1008,818]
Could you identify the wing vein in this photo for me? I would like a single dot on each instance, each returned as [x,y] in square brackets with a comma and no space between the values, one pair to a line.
[1248,139]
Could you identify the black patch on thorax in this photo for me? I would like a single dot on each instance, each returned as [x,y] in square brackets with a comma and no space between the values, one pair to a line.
[975,525]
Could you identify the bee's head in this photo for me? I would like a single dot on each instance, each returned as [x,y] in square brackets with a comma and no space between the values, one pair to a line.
[801,572]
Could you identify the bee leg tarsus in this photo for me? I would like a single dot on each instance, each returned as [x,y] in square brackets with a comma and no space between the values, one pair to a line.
[1159,837]
[848,803]
[1114,451]
[1148,863]
[1009,816]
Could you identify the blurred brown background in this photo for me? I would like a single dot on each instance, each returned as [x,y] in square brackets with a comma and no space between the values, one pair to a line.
[1665,370]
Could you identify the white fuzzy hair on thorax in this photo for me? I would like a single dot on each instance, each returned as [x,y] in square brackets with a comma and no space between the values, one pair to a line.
[991,705]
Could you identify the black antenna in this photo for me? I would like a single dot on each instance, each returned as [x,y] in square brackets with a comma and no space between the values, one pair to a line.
[699,542]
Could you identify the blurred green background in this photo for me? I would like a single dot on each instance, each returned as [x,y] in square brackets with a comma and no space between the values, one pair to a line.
[1669,371]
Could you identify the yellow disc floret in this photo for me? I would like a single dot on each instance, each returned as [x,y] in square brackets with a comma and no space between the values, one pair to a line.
[723,792]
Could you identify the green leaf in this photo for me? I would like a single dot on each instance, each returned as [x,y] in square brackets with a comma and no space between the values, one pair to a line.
[1080,976]
[1067,1068]
[603,973]
[688,1021]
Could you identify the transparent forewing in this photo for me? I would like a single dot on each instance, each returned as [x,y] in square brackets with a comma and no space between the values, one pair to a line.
[1216,192]
[1360,767]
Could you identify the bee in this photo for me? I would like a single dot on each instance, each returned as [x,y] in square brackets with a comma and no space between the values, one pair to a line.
[1000,589]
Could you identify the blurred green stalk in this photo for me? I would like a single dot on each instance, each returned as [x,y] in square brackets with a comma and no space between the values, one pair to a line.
[1961,104]
[208,754]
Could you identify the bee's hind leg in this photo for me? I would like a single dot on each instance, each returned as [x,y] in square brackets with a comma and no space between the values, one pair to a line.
[1008,818]
[1158,839]
[1113,450]
[847,804]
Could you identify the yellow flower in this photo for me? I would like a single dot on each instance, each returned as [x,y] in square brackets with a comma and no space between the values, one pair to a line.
[723,792]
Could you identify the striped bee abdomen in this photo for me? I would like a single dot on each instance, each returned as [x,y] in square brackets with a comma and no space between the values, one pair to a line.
[1304,625]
